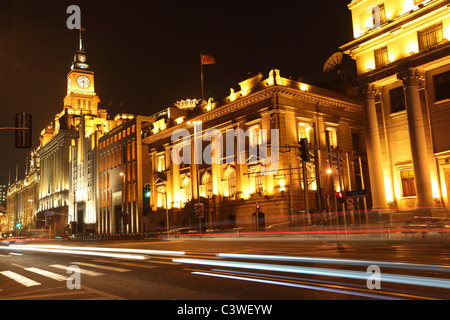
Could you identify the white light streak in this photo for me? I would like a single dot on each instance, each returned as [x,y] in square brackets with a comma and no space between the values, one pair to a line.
[386,277]
[385,264]
[296,285]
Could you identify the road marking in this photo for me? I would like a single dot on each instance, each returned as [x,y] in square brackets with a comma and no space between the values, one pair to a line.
[100,266]
[20,279]
[16,254]
[47,274]
[130,264]
[82,271]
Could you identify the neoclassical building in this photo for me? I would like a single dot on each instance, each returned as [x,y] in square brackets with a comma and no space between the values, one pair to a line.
[22,201]
[122,167]
[402,52]
[238,186]
[67,189]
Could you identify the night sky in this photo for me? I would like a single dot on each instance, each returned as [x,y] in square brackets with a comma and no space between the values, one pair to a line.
[146,54]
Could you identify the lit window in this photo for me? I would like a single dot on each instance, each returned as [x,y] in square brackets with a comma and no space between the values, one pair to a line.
[431,36]
[304,131]
[259,182]
[408,186]
[332,132]
[161,163]
[381,57]
[186,190]
[231,183]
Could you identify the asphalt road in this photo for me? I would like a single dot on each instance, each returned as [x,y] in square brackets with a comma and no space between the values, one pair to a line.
[224,270]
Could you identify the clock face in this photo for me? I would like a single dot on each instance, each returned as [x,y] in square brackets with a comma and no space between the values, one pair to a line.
[83,82]
[69,83]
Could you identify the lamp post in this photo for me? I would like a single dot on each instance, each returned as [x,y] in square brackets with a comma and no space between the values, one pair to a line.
[197,159]
[167,209]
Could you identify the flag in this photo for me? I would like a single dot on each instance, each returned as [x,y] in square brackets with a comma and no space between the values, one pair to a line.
[208,59]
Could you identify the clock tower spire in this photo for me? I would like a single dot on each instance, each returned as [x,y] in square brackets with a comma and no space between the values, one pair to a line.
[80,83]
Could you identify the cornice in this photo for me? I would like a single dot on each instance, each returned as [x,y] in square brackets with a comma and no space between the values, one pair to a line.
[259,96]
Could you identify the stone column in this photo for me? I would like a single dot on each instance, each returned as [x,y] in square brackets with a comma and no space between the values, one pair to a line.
[373,148]
[422,178]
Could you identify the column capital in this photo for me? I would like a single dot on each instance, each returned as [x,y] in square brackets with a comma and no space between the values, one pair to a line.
[369,91]
[411,77]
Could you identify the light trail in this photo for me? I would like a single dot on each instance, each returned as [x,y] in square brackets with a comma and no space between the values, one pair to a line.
[385,264]
[79,252]
[296,285]
[385,277]
[97,249]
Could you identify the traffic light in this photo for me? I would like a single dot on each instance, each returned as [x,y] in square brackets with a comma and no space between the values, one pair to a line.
[147,192]
[340,197]
[18,225]
[304,149]
[258,207]
[23,131]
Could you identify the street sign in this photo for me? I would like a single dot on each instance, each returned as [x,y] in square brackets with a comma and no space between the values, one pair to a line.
[356,193]
[199,210]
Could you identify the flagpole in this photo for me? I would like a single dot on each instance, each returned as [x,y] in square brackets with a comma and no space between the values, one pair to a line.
[81,41]
[201,72]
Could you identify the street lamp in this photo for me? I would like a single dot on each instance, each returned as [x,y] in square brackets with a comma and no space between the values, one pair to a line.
[197,159]
[167,210]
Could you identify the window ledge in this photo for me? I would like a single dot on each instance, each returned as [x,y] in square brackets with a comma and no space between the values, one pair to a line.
[440,102]
[398,113]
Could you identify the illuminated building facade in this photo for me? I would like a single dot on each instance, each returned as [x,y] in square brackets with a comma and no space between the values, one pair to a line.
[67,157]
[252,194]
[402,54]
[22,200]
[123,165]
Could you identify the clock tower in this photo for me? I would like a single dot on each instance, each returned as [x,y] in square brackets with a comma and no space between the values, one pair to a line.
[81,96]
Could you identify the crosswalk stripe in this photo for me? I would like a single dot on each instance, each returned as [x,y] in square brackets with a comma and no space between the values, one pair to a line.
[47,274]
[129,264]
[100,266]
[82,271]
[20,279]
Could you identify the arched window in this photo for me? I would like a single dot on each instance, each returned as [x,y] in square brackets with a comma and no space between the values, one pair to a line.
[207,185]
[231,182]
[186,190]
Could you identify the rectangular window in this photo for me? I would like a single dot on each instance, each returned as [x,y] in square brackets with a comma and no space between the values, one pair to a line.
[161,163]
[133,149]
[305,131]
[332,132]
[375,17]
[408,186]
[431,36]
[381,57]
[397,98]
[442,86]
